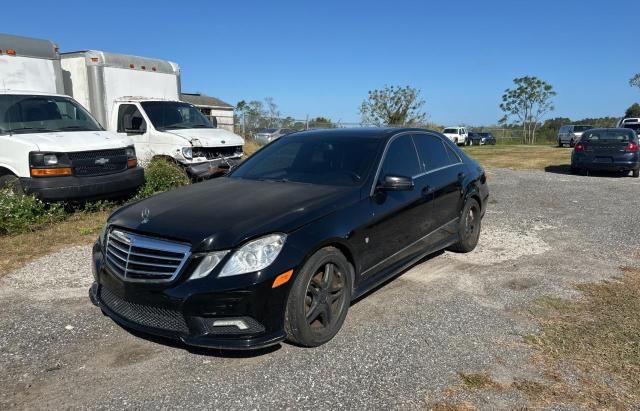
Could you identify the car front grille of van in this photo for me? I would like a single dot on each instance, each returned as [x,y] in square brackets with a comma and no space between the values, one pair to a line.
[138,258]
[212,153]
[98,162]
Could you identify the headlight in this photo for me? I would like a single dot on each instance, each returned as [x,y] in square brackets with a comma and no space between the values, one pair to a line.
[254,255]
[187,152]
[208,263]
[50,159]
[103,236]
[130,152]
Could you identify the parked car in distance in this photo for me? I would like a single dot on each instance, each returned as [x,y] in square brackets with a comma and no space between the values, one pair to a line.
[311,222]
[458,135]
[481,138]
[267,135]
[50,146]
[630,122]
[608,149]
[570,134]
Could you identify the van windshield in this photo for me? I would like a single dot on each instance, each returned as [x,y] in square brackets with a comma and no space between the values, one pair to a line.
[173,115]
[450,131]
[24,114]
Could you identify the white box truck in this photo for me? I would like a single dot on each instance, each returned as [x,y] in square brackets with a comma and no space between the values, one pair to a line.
[139,97]
[50,146]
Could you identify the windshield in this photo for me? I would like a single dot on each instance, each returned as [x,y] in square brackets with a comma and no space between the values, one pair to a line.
[608,136]
[450,131]
[172,115]
[24,114]
[581,128]
[325,160]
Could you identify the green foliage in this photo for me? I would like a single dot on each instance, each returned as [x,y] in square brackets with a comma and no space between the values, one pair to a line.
[20,213]
[393,105]
[633,110]
[321,122]
[161,175]
[528,102]
[635,81]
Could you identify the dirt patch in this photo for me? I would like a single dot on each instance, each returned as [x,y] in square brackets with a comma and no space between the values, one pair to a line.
[477,381]
[520,284]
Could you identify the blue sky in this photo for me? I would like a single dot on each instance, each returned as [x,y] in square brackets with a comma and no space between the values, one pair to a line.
[321,58]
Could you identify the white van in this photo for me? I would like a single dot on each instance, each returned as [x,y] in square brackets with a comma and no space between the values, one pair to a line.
[630,122]
[138,97]
[570,134]
[50,146]
[458,135]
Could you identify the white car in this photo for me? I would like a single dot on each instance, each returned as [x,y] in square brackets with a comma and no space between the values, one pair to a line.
[458,135]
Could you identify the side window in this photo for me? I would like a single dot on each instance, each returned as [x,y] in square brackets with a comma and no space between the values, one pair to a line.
[433,153]
[130,118]
[401,159]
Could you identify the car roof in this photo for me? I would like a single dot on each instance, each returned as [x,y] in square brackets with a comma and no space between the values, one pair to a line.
[357,132]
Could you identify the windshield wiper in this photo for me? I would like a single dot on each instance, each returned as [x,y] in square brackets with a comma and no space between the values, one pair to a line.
[201,126]
[173,127]
[79,128]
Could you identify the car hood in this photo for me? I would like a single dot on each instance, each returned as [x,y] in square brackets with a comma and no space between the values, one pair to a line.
[222,213]
[208,137]
[72,141]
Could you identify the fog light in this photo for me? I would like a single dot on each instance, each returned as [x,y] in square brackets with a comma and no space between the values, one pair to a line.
[231,323]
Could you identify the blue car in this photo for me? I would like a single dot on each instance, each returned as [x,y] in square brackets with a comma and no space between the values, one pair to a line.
[607,149]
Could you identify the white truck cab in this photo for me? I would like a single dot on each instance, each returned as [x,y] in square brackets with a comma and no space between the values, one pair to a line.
[138,98]
[458,135]
[50,146]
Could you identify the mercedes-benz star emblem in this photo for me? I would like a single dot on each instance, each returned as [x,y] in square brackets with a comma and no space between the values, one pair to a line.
[145,215]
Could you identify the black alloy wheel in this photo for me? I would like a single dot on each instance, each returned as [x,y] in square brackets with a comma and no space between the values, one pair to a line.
[468,227]
[319,298]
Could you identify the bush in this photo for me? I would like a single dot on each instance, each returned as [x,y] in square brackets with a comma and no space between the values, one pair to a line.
[161,175]
[19,213]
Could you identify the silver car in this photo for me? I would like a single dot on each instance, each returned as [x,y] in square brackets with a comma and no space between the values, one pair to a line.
[570,134]
[267,135]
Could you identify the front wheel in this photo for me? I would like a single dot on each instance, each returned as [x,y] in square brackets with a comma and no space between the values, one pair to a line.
[560,143]
[468,227]
[319,298]
[572,143]
[11,182]
[636,173]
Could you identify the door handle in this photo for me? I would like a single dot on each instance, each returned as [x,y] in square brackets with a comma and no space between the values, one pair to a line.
[426,190]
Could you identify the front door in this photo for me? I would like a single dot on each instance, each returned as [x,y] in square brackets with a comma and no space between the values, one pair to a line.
[131,123]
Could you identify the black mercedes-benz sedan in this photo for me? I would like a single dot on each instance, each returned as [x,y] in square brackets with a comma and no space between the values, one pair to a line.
[280,247]
[607,149]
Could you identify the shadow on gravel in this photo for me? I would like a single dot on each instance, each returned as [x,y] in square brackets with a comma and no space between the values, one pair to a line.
[566,170]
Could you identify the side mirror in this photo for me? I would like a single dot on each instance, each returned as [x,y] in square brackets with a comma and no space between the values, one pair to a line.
[397,183]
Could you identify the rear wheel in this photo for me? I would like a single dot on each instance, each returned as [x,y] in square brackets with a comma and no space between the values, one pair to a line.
[572,143]
[636,173]
[319,298]
[468,227]
[11,182]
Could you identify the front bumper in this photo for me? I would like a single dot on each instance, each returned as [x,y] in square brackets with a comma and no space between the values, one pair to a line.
[188,310]
[212,168]
[84,188]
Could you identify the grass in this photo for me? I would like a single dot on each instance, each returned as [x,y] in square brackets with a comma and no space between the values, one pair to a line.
[79,229]
[598,336]
[477,381]
[521,157]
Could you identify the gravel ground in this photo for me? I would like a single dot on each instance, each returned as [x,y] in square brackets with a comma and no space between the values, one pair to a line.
[402,347]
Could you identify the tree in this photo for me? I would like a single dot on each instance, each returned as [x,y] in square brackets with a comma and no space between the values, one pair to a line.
[633,110]
[321,122]
[635,81]
[528,102]
[272,112]
[393,105]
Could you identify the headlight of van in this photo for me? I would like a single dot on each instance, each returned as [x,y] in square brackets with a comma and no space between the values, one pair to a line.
[187,152]
[255,255]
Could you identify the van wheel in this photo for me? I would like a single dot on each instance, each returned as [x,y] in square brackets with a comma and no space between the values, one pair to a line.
[11,182]
[468,227]
[560,143]
[319,298]
[636,173]
[572,143]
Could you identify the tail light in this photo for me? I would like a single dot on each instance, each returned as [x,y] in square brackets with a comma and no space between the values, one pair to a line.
[631,148]
[579,147]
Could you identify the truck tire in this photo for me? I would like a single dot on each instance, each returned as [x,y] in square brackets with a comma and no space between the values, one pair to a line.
[11,182]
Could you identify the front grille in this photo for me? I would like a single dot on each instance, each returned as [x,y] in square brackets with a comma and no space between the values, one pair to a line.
[211,153]
[98,162]
[138,258]
[155,317]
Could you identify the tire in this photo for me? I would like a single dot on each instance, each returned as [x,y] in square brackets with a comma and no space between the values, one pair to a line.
[572,143]
[11,182]
[468,227]
[316,308]
[636,173]
[560,143]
